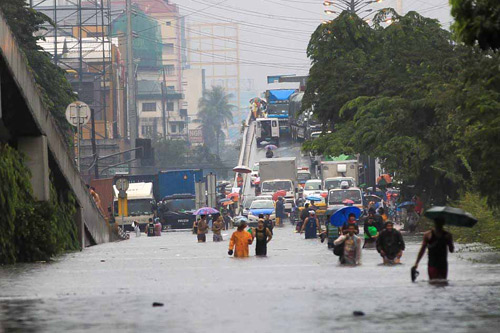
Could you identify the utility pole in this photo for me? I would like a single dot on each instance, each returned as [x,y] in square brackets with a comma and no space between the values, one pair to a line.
[163,106]
[94,145]
[132,112]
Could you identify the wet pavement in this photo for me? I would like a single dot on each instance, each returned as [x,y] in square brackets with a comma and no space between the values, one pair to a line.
[298,287]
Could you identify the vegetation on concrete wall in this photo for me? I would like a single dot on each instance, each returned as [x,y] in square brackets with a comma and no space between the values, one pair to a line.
[31,230]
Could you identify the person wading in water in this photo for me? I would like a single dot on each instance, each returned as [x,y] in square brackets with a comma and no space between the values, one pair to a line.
[311,225]
[438,242]
[262,236]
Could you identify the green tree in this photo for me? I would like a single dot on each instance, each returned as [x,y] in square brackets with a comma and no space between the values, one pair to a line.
[398,101]
[214,113]
[170,153]
[477,21]
[26,25]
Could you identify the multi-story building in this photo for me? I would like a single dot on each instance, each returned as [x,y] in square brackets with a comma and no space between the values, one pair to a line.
[157,51]
[193,86]
[214,47]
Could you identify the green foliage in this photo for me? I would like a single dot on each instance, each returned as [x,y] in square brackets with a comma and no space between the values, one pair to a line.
[170,153]
[410,96]
[215,112]
[26,25]
[15,189]
[486,230]
[477,22]
[31,230]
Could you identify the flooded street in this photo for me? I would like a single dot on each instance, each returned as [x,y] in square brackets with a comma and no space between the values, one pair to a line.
[299,287]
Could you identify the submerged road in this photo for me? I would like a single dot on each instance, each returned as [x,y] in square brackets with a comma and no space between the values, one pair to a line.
[299,287]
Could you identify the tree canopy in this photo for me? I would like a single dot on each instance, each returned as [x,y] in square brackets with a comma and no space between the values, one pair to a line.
[214,113]
[410,96]
[477,22]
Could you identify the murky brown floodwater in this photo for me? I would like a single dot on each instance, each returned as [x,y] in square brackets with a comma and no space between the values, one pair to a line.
[299,287]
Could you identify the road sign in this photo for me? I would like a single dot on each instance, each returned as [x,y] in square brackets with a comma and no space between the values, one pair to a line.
[78,113]
[122,184]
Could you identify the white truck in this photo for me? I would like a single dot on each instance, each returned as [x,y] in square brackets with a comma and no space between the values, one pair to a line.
[333,171]
[139,202]
[279,174]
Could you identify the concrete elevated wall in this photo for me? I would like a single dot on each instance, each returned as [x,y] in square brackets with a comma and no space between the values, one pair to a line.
[96,230]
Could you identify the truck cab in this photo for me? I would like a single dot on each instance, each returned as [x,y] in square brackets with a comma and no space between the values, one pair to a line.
[336,182]
[275,185]
[140,201]
[176,211]
[337,196]
[267,130]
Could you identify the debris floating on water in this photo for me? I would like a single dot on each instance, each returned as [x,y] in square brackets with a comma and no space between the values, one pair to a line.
[155,304]
[358,313]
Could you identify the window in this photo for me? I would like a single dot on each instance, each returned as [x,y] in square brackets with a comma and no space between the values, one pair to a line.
[169,48]
[168,23]
[171,88]
[170,106]
[147,130]
[169,70]
[181,127]
[173,128]
[183,112]
[149,106]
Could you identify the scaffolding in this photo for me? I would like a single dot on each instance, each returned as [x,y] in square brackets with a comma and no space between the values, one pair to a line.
[79,42]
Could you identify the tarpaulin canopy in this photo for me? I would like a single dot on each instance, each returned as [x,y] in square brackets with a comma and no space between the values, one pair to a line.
[279,95]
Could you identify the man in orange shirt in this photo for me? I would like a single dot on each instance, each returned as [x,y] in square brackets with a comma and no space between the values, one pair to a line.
[240,240]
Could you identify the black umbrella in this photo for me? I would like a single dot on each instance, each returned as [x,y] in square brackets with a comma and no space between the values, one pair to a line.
[451,216]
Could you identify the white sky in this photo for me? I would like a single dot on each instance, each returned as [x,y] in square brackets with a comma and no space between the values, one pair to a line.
[274,33]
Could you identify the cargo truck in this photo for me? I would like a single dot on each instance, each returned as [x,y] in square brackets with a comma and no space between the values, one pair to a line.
[332,173]
[277,107]
[178,197]
[278,174]
[140,203]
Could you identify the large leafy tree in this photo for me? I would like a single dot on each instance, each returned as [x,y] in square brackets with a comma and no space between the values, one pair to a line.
[26,24]
[215,112]
[477,21]
[401,95]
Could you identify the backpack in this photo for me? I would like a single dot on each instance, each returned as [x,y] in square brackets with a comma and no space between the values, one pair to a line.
[338,250]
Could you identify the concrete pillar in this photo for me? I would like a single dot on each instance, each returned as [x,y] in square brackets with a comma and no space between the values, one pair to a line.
[37,160]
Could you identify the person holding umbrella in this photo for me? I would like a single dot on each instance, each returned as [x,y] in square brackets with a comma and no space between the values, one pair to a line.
[438,241]
[280,212]
[202,229]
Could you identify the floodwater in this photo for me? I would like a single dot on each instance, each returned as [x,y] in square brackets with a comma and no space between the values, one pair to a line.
[299,287]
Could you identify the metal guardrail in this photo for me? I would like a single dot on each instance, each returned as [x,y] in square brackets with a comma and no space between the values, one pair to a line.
[246,144]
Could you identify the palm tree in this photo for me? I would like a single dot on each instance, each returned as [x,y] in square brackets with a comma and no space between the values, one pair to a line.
[214,112]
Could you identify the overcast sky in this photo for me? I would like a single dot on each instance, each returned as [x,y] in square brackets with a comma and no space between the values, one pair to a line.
[274,33]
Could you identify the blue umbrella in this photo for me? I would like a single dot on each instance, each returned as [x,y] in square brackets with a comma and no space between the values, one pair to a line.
[406,204]
[342,215]
[313,198]
[206,211]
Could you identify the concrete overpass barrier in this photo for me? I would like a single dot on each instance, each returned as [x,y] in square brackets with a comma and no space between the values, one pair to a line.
[92,226]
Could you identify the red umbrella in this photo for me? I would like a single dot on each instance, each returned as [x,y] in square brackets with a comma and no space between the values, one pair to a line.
[324,194]
[280,193]
[242,169]
[384,179]
[233,196]
[348,202]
